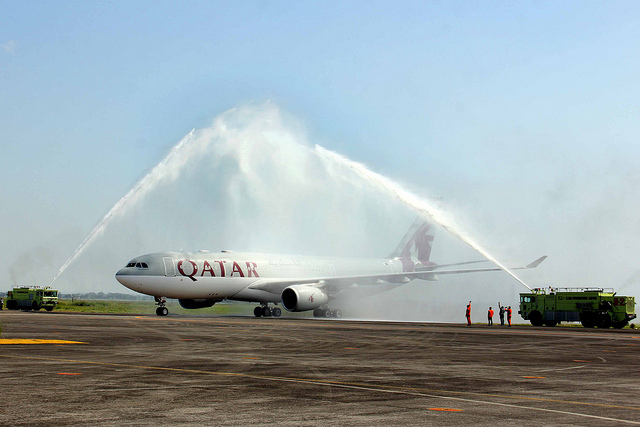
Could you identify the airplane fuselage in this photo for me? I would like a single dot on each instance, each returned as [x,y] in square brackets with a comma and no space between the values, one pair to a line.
[229,275]
[299,283]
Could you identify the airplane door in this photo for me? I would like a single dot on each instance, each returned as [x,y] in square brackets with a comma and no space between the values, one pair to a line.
[169,267]
[332,268]
[394,267]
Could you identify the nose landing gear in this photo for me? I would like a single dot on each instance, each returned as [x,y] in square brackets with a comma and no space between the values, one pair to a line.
[162,310]
[266,311]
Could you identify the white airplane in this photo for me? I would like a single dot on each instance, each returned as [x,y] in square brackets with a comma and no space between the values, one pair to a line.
[299,283]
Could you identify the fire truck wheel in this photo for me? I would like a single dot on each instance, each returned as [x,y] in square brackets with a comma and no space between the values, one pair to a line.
[587,319]
[535,317]
[620,325]
[49,308]
[550,323]
[604,321]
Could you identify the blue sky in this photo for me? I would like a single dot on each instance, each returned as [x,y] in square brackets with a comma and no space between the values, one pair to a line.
[522,115]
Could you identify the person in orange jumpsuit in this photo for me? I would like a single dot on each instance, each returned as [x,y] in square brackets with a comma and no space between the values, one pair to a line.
[509,315]
[490,316]
[468,314]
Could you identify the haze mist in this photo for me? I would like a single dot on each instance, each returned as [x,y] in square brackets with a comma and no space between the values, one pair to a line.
[253,182]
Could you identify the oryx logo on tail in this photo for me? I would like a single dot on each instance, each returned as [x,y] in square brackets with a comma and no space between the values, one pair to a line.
[416,242]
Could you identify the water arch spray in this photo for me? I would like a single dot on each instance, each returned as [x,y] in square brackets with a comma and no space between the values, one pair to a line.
[242,135]
[420,205]
[168,168]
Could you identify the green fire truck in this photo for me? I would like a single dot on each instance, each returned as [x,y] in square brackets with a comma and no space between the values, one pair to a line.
[593,307]
[32,298]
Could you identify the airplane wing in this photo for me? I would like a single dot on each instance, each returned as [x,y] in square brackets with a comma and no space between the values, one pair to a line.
[329,284]
[437,266]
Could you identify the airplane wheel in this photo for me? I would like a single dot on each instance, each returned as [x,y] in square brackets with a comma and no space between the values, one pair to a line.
[318,313]
[257,311]
[276,312]
[327,313]
[337,314]
[162,311]
[266,312]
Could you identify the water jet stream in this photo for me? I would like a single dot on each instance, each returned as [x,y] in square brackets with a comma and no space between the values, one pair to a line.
[150,180]
[234,139]
[411,200]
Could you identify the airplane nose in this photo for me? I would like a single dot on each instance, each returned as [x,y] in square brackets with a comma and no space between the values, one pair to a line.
[120,276]
[127,280]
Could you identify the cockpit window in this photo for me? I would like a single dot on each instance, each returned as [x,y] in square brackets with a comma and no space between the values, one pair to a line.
[144,265]
[131,264]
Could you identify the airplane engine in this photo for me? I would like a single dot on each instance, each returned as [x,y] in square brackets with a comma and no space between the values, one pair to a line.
[197,303]
[303,297]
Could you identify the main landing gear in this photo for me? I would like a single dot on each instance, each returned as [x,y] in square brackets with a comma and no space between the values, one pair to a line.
[162,310]
[266,311]
[326,313]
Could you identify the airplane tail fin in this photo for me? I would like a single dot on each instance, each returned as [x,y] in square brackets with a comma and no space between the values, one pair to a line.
[415,244]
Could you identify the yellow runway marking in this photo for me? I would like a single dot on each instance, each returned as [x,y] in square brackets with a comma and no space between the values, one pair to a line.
[252,358]
[537,378]
[69,373]
[446,409]
[36,341]
[414,391]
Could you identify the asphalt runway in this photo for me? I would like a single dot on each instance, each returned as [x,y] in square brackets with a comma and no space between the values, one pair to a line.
[187,370]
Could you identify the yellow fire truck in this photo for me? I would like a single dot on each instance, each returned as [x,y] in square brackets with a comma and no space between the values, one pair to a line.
[32,298]
[593,307]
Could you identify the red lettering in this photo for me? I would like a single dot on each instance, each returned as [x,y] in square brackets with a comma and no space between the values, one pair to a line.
[194,268]
[206,267]
[237,269]
[619,301]
[251,269]
[221,264]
